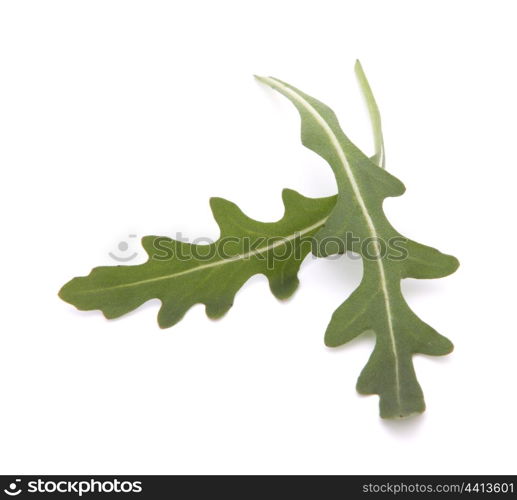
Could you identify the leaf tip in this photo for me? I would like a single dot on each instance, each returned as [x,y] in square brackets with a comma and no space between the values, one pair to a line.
[65,291]
[291,197]
[219,205]
[401,416]
[268,80]
[216,310]
[330,341]
[215,202]
[223,210]
[284,287]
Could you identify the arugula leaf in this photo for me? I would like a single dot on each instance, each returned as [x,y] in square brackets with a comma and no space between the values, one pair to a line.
[182,274]
[358,219]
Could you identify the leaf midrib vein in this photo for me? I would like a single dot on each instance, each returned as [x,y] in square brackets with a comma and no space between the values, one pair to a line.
[235,258]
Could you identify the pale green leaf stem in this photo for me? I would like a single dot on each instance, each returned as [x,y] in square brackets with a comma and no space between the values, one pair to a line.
[375,117]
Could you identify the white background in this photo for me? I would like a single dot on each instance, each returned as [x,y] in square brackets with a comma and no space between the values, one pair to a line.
[121,117]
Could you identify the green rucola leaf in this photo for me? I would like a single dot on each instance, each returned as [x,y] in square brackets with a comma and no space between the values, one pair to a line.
[358,220]
[182,274]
